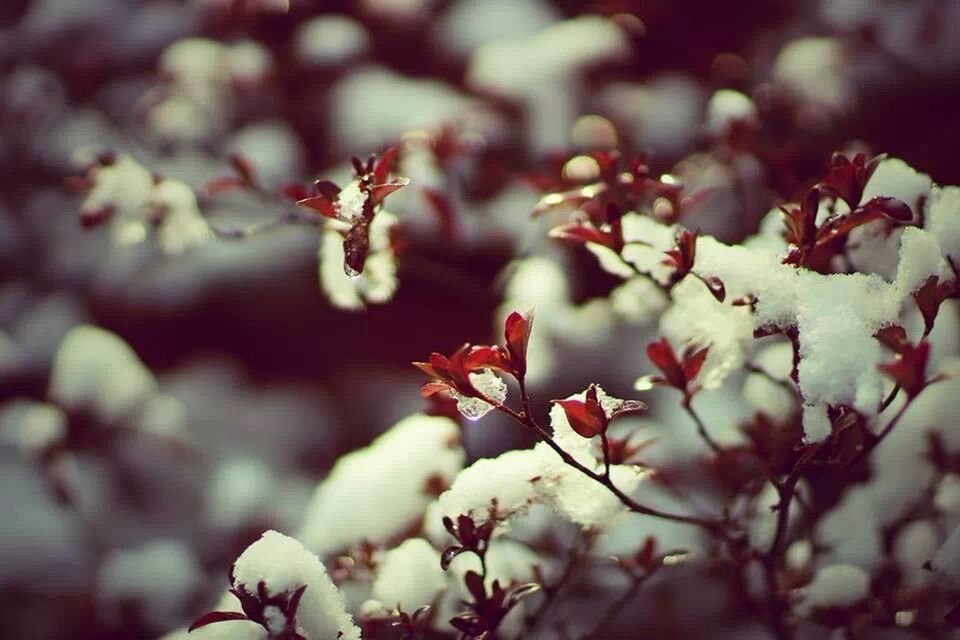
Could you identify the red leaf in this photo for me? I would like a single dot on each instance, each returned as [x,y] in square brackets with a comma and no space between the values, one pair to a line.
[356,247]
[216,616]
[582,420]
[693,362]
[224,184]
[433,388]
[662,356]
[295,191]
[516,333]
[474,582]
[929,297]
[894,337]
[327,188]
[440,204]
[485,357]
[379,192]
[583,233]
[890,207]
[909,370]
[384,165]
[321,204]
[716,287]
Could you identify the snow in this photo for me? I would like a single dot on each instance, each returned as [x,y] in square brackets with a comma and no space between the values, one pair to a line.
[409,576]
[373,106]
[727,107]
[813,69]
[696,317]
[838,585]
[377,282]
[835,315]
[467,25]
[31,426]
[895,178]
[238,491]
[95,369]
[515,67]
[330,40]
[506,481]
[490,385]
[538,71]
[914,546]
[946,562]
[350,202]
[201,75]
[943,219]
[516,480]
[124,186]
[183,225]
[161,575]
[272,148]
[285,566]
[377,492]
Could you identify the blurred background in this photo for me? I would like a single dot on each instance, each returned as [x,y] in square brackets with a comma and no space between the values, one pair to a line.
[264,382]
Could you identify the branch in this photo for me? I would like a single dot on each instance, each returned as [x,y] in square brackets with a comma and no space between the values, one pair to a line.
[526,419]
[701,427]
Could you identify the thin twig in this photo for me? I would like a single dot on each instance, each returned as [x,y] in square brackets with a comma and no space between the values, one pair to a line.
[613,611]
[701,427]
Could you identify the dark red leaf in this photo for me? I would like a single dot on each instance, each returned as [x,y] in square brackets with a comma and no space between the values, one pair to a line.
[890,207]
[294,602]
[449,554]
[663,357]
[475,586]
[216,616]
[224,184]
[909,370]
[443,209]
[243,168]
[693,362]
[894,337]
[295,191]
[716,287]
[356,247]
[583,233]
[929,297]
[379,192]
[327,188]
[385,165]
[321,204]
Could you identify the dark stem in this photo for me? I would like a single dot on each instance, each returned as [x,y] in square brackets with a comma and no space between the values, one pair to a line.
[701,427]
[613,611]
[606,454]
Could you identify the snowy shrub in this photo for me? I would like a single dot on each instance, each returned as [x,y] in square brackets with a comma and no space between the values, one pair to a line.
[721,392]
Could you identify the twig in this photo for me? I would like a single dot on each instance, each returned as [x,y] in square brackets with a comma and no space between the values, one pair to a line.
[613,611]
[701,427]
